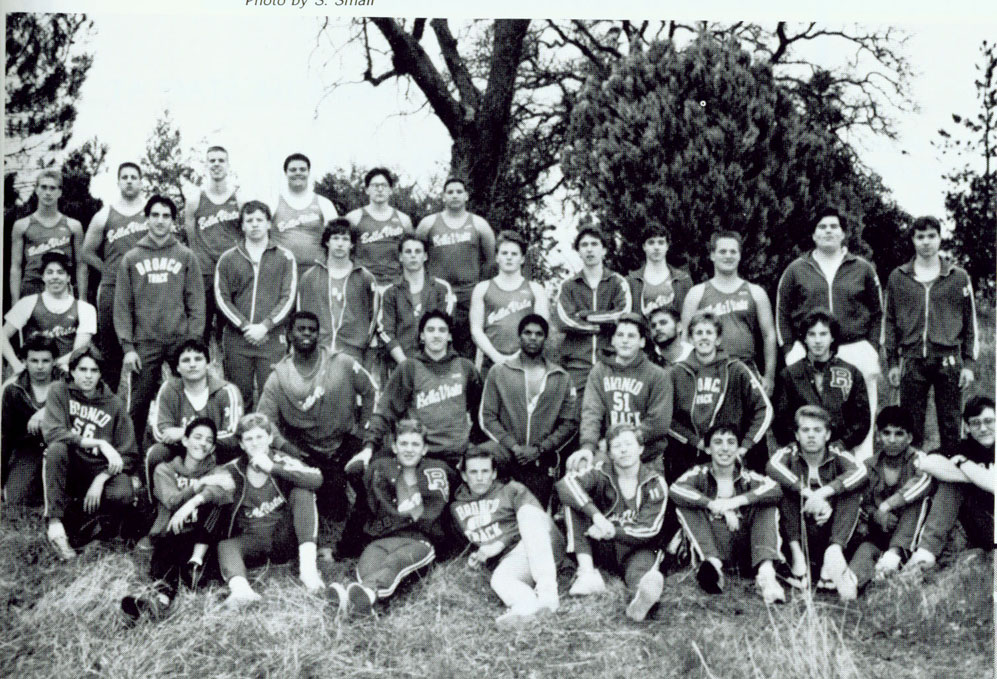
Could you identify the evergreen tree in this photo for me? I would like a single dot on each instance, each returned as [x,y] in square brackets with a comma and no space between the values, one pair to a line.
[699,140]
[166,166]
[45,69]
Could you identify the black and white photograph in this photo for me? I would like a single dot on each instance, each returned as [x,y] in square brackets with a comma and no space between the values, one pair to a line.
[360,338]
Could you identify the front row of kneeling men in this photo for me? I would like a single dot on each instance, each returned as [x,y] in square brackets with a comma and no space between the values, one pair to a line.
[262,504]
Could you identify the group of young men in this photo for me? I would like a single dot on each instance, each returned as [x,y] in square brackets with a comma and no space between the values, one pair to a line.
[408,369]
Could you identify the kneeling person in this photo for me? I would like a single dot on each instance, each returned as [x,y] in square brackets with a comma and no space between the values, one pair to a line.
[91,455]
[821,484]
[895,502]
[513,535]
[730,515]
[274,508]
[614,513]
[189,491]
[407,495]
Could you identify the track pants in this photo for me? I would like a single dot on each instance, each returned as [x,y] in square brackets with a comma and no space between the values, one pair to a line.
[386,562]
[245,364]
[629,561]
[756,540]
[917,377]
[910,521]
[107,338]
[68,472]
[298,524]
[22,481]
[837,530]
[964,502]
[145,383]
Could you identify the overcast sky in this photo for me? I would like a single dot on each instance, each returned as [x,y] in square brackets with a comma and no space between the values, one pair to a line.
[252,80]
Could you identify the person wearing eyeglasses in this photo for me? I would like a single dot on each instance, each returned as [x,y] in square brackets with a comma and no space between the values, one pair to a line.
[965,488]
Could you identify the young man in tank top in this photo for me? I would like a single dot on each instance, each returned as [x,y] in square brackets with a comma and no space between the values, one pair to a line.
[44,230]
[53,313]
[742,307]
[500,303]
[300,214]
[211,221]
[657,284]
[461,251]
[379,228]
[113,231]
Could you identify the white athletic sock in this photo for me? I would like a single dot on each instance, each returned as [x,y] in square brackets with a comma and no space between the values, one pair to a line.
[56,529]
[197,556]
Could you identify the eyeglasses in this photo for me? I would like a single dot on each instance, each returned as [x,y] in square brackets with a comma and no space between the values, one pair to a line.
[980,422]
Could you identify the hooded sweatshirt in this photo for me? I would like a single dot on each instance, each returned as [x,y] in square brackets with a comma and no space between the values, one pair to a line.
[722,391]
[159,296]
[71,415]
[346,310]
[440,394]
[316,411]
[639,393]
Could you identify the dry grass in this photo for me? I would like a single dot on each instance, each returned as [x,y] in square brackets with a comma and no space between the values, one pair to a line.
[63,621]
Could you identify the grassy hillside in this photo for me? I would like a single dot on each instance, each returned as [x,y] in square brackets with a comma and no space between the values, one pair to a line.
[60,620]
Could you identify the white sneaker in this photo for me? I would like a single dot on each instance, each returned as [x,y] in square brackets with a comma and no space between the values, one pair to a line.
[920,560]
[312,580]
[840,574]
[548,600]
[241,597]
[769,587]
[517,616]
[888,564]
[588,582]
[649,591]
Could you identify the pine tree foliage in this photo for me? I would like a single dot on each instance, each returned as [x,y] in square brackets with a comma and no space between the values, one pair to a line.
[166,165]
[45,69]
[698,140]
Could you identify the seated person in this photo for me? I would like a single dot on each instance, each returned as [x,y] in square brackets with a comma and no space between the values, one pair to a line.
[821,490]
[514,537]
[54,313]
[822,379]
[90,457]
[625,387]
[528,410]
[22,412]
[193,393]
[189,491]
[965,487]
[731,516]
[407,495]
[273,510]
[614,512]
[711,388]
[896,501]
